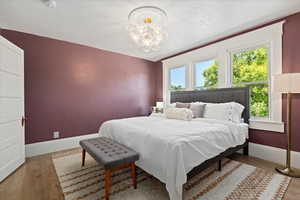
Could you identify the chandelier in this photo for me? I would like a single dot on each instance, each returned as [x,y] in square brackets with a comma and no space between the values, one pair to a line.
[147,27]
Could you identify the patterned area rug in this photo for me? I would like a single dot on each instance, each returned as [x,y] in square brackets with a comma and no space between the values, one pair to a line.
[235,181]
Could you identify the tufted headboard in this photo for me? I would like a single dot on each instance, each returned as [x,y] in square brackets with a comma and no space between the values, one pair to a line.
[239,95]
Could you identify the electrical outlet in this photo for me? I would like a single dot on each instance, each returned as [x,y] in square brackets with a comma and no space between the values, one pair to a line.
[56,134]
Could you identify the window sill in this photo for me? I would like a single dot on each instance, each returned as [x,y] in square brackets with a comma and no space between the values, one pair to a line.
[267,125]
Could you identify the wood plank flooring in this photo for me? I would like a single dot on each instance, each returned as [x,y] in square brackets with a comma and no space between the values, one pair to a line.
[37,180]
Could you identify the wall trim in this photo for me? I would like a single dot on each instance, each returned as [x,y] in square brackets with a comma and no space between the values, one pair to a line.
[40,148]
[273,154]
[267,125]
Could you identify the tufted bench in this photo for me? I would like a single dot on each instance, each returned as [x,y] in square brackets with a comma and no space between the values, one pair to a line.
[112,155]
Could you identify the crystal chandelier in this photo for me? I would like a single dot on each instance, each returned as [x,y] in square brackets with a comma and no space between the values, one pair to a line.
[147,27]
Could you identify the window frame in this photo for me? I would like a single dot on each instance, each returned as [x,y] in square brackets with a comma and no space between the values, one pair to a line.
[185,77]
[194,74]
[268,82]
[270,34]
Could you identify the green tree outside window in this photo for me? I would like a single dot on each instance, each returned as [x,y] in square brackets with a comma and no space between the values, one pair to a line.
[211,75]
[250,68]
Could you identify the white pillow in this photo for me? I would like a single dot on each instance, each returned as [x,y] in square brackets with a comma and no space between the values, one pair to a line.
[237,112]
[230,111]
[179,113]
[172,105]
[219,111]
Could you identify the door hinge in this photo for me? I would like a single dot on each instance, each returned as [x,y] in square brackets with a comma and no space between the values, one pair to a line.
[23,121]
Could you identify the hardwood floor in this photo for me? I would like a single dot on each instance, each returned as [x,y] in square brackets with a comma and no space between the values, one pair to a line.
[37,180]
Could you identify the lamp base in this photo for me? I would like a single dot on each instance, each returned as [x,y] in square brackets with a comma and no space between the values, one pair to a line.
[288,172]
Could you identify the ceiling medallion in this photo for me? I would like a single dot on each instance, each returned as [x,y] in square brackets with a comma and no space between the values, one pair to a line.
[148,27]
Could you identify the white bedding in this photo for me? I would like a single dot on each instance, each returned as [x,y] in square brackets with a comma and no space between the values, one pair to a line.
[169,148]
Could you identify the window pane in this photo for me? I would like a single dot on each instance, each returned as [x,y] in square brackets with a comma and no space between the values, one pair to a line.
[206,73]
[177,78]
[250,65]
[259,100]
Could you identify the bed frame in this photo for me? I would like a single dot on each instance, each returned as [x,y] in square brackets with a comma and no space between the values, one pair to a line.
[239,95]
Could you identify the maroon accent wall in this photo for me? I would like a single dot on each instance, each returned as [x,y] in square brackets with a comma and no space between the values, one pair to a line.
[73,88]
[159,81]
[291,63]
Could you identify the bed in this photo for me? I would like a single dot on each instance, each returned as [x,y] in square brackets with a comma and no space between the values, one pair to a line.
[173,150]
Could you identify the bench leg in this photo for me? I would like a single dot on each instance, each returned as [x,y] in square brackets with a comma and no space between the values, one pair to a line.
[83,157]
[133,174]
[107,183]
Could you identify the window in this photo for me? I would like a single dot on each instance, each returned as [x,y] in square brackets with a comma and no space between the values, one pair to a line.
[206,74]
[251,68]
[249,59]
[177,78]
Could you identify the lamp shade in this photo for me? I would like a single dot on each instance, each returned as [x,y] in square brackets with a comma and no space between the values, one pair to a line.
[159,104]
[287,83]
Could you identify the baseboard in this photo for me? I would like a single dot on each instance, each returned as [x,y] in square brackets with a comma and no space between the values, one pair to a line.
[273,154]
[40,148]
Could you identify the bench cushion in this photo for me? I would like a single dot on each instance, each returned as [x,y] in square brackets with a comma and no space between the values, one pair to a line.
[108,152]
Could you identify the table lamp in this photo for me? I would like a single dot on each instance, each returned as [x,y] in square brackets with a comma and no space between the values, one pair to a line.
[160,104]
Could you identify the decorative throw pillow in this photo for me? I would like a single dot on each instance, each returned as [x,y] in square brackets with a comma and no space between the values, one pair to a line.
[197,109]
[182,105]
[179,113]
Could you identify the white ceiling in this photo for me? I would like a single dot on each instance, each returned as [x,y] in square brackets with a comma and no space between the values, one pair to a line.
[102,23]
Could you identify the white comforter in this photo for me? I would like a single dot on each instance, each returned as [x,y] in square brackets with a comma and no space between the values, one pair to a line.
[169,149]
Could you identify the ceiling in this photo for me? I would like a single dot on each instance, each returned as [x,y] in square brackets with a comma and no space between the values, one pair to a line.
[102,23]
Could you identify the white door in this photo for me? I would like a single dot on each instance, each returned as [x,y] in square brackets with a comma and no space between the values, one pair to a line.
[12,147]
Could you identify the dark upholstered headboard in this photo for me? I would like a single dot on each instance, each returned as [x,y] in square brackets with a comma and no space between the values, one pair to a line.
[239,95]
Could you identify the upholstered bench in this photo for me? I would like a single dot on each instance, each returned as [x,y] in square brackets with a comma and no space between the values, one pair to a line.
[112,156]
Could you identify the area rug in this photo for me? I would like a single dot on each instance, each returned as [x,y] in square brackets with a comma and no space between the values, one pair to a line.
[236,181]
